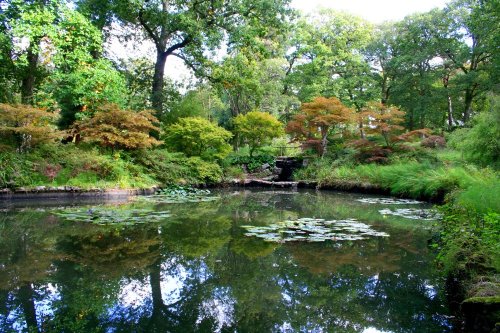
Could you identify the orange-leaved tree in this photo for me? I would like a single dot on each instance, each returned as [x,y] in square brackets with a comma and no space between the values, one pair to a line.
[27,126]
[114,128]
[382,119]
[317,120]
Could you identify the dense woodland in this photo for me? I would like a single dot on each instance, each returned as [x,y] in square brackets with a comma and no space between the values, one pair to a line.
[411,106]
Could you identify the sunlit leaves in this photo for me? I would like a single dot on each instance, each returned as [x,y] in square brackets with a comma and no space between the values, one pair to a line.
[27,126]
[115,128]
[257,128]
[198,137]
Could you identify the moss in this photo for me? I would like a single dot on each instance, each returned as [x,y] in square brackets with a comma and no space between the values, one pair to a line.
[483,300]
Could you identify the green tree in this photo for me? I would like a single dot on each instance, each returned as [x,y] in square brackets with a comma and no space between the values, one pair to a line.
[34,23]
[80,93]
[257,129]
[328,58]
[111,127]
[187,29]
[202,102]
[196,136]
[480,144]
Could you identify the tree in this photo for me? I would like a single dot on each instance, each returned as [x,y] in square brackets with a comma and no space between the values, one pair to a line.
[201,102]
[465,37]
[382,119]
[114,128]
[81,92]
[317,119]
[188,29]
[196,136]
[27,126]
[257,128]
[327,58]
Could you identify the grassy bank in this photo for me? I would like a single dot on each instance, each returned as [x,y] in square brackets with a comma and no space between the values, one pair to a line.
[468,238]
[87,167]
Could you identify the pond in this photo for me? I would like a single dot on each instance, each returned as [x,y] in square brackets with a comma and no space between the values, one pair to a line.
[242,261]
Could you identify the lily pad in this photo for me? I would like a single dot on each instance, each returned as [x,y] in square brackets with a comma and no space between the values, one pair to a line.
[112,215]
[412,213]
[179,194]
[313,230]
[389,201]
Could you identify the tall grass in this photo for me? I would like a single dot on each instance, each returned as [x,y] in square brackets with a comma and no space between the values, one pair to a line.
[410,178]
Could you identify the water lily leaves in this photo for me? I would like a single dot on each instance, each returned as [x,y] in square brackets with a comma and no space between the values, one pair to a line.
[179,194]
[412,213]
[313,230]
[389,201]
[112,216]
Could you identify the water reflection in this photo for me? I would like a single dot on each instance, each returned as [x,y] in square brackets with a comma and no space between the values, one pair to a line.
[196,272]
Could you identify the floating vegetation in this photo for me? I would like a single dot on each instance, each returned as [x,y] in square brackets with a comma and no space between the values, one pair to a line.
[108,215]
[178,194]
[389,201]
[313,230]
[412,213]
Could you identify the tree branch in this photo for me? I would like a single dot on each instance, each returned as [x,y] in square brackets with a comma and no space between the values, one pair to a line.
[148,29]
[177,46]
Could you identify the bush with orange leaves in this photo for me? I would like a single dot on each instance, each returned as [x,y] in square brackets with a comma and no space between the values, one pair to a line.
[317,120]
[111,127]
[382,119]
[26,127]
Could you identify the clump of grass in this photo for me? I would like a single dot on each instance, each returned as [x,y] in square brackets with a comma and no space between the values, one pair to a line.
[409,179]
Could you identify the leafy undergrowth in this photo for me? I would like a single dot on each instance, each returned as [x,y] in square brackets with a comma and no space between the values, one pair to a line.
[86,168]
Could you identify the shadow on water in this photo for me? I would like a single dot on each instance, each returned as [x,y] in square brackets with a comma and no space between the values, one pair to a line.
[195,270]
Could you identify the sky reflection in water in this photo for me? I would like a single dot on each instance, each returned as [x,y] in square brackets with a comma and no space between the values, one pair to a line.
[196,271]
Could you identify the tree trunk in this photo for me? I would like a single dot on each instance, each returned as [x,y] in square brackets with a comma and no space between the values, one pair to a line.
[324,142]
[158,82]
[361,130]
[385,90]
[26,296]
[28,82]
[469,96]
[451,121]
[154,280]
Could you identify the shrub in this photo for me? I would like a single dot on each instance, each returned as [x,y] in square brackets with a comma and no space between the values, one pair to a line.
[198,137]
[251,163]
[257,129]
[26,126]
[481,143]
[434,141]
[115,128]
[173,168]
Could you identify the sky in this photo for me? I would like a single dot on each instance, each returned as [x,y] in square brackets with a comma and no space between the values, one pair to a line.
[375,11]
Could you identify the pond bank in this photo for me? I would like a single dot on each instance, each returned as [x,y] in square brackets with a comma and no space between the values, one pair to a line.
[48,192]
[59,192]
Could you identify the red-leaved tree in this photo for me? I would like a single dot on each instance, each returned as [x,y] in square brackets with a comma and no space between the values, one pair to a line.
[317,120]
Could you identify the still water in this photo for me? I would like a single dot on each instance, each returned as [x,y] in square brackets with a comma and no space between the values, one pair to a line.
[195,267]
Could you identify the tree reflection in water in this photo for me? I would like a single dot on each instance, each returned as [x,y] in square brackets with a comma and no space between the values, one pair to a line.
[196,271]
